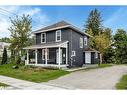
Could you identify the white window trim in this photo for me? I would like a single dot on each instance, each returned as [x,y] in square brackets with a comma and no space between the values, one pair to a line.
[85,40]
[81,46]
[41,37]
[56,35]
[73,53]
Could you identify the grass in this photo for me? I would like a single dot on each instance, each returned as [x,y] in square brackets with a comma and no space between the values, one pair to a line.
[122,84]
[2,84]
[104,65]
[100,66]
[31,74]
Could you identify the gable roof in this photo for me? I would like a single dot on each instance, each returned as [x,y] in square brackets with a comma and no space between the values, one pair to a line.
[60,25]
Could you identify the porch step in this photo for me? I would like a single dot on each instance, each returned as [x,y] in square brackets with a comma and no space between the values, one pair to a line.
[64,68]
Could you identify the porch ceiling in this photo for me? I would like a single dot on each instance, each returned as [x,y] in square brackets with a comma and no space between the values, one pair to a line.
[48,45]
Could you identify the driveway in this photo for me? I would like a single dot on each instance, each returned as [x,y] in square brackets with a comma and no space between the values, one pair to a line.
[104,78]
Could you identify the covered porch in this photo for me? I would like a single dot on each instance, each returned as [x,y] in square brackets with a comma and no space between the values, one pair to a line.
[49,54]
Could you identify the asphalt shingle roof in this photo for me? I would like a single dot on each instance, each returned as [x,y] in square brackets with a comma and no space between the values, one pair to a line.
[58,24]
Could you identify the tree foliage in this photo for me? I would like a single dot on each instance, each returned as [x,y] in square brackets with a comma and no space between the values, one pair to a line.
[94,23]
[109,55]
[20,32]
[120,44]
[5,39]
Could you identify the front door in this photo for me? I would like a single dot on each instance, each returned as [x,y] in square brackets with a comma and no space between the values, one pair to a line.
[57,56]
[88,57]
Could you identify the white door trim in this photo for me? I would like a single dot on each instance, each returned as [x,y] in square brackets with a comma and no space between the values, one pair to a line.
[87,57]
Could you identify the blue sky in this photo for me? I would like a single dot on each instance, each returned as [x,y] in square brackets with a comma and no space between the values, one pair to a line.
[113,17]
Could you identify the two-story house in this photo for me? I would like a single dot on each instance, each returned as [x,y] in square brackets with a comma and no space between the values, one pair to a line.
[61,45]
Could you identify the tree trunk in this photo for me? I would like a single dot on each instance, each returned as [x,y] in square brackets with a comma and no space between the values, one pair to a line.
[100,59]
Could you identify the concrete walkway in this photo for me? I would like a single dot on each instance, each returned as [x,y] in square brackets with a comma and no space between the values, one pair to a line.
[104,78]
[22,84]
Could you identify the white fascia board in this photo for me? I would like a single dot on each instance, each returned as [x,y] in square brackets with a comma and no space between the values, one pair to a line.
[39,31]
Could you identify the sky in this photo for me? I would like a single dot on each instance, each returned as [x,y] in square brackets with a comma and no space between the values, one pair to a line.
[113,17]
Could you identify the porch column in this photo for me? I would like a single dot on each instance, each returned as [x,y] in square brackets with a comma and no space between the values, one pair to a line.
[36,56]
[66,55]
[59,58]
[46,56]
[27,57]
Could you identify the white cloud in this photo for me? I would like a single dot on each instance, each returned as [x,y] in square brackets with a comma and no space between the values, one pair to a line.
[39,18]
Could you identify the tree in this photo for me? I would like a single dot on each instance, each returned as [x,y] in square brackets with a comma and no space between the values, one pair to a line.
[4,57]
[20,32]
[5,39]
[120,44]
[94,23]
[102,42]
[109,55]
[101,36]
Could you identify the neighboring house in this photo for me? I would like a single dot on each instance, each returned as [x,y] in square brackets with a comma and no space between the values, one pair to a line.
[2,46]
[61,44]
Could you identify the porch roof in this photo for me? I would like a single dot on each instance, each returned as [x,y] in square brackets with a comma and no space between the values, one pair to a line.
[48,45]
[90,50]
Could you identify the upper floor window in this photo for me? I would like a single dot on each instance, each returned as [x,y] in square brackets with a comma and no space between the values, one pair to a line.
[85,40]
[81,42]
[58,35]
[43,37]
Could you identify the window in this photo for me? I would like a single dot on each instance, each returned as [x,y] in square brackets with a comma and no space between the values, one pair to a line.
[96,54]
[81,42]
[43,37]
[85,40]
[73,53]
[58,35]
[43,54]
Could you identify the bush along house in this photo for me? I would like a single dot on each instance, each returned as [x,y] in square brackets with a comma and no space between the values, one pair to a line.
[61,45]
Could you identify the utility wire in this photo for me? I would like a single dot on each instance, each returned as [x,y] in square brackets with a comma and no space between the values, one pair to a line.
[13,14]
[8,11]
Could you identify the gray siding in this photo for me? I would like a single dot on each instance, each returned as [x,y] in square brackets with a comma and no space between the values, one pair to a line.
[78,60]
[51,36]
[38,38]
[73,37]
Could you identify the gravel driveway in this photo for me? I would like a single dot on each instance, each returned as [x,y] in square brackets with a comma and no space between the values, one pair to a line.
[104,78]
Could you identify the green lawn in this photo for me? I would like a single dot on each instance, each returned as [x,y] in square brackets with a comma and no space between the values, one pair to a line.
[2,84]
[122,84]
[99,66]
[104,65]
[31,74]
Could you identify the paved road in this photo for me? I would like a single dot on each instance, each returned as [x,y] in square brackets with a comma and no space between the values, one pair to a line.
[104,78]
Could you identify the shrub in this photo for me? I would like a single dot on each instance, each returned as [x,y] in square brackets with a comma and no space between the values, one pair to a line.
[4,57]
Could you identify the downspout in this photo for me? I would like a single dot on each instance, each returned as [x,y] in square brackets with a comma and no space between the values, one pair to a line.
[71,49]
